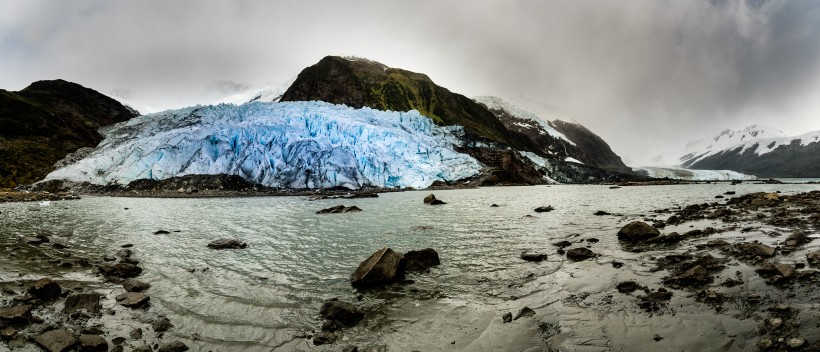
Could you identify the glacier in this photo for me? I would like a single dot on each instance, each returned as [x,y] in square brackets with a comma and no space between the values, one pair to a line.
[278,144]
[678,173]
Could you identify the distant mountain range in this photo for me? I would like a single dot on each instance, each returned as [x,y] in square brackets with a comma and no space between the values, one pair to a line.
[275,138]
[757,150]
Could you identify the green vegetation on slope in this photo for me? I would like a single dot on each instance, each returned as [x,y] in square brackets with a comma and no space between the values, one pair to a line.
[359,83]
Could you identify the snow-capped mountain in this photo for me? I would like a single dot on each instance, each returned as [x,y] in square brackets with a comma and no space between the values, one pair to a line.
[290,145]
[758,150]
[556,139]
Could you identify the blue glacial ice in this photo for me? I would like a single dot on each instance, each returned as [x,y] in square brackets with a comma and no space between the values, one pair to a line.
[286,145]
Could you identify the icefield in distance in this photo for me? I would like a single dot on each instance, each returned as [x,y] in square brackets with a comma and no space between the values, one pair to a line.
[679,173]
[285,145]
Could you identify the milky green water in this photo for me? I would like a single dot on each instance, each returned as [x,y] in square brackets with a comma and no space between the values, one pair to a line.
[261,297]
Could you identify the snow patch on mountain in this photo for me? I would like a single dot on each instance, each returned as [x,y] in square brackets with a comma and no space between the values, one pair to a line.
[496,103]
[690,174]
[760,139]
[290,145]
[265,94]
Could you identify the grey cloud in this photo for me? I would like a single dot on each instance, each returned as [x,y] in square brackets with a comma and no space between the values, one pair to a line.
[647,75]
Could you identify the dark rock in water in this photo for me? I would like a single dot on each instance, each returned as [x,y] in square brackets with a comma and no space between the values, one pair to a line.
[729,193]
[136,334]
[432,200]
[617,265]
[342,313]
[361,195]
[600,213]
[525,312]
[507,317]
[162,324]
[330,326]
[133,299]
[383,267]
[93,343]
[227,243]
[694,277]
[88,301]
[658,296]
[120,270]
[533,257]
[56,340]
[45,289]
[339,209]
[134,285]
[627,287]
[637,231]
[755,249]
[125,253]
[324,338]
[175,346]
[127,245]
[494,206]
[421,260]
[34,241]
[562,244]
[143,348]
[161,232]
[813,258]
[579,254]
[16,314]
[545,209]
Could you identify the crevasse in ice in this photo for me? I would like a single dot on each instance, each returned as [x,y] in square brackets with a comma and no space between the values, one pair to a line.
[288,145]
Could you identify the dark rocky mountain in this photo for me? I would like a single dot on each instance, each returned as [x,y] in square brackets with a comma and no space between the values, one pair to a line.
[758,150]
[492,137]
[556,139]
[46,121]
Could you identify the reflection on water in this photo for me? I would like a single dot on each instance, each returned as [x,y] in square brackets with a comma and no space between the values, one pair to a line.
[260,297]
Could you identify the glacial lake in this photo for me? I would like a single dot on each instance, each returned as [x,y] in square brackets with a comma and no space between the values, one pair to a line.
[264,297]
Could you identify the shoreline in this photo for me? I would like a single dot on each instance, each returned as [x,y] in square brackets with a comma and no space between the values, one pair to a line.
[37,193]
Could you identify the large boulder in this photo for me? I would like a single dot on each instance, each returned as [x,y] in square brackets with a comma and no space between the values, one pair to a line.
[637,231]
[697,276]
[227,243]
[813,258]
[755,250]
[421,260]
[56,340]
[580,254]
[133,299]
[381,268]
[88,301]
[342,313]
[93,343]
[339,209]
[120,270]
[45,289]
[16,314]
[134,285]
[432,200]
[173,346]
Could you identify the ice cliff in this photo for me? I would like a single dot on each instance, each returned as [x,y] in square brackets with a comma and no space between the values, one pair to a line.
[290,145]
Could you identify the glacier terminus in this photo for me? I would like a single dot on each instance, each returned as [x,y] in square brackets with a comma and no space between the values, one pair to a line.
[278,144]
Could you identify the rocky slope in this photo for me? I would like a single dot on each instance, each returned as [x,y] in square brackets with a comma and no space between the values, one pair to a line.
[757,150]
[557,139]
[492,137]
[46,121]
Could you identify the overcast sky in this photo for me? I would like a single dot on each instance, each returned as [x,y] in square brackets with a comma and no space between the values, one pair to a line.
[647,76]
